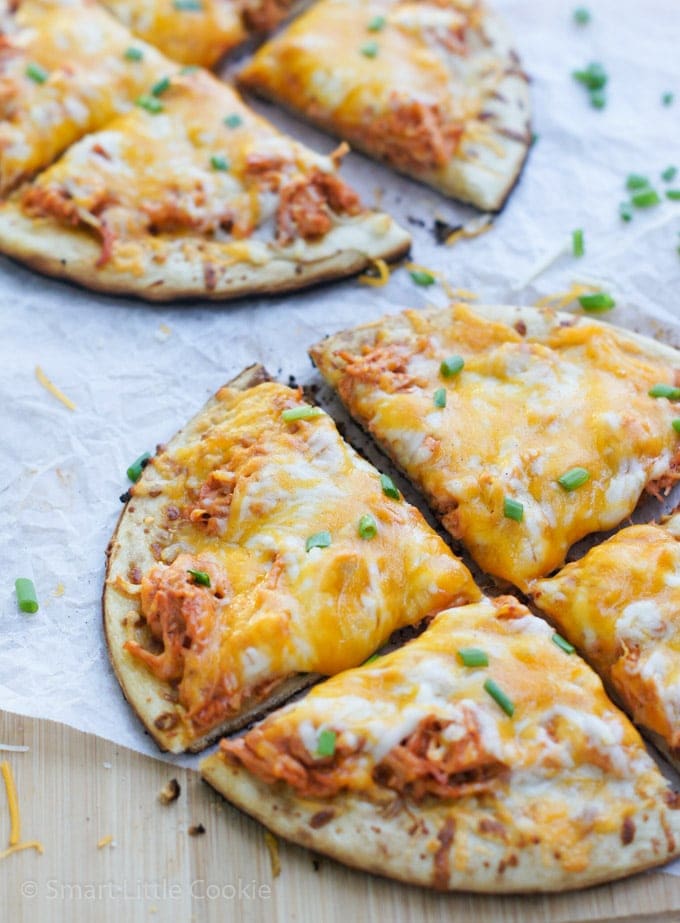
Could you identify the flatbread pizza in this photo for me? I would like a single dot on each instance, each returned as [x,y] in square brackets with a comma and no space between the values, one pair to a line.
[620,606]
[526,430]
[257,551]
[433,88]
[480,756]
[230,207]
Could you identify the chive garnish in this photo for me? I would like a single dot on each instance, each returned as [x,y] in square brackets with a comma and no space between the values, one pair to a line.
[662,390]
[368,527]
[36,73]
[300,413]
[134,472]
[676,425]
[160,87]
[598,99]
[371,659]
[577,242]
[233,120]
[200,577]
[667,98]
[473,657]
[626,211]
[439,397]
[325,745]
[669,174]
[513,509]
[573,478]
[451,366]
[499,697]
[26,595]
[597,301]
[645,198]
[592,77]
[376,24]
[581,16]
[673,194]
[218,162]
[563,643]
[636,181]
[420,277]
[369,49]
[389,488]
[318,540]
[150,103]
[133,54]
[188,5]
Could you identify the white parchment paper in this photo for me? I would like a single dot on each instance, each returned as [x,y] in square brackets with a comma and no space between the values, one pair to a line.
[137,372]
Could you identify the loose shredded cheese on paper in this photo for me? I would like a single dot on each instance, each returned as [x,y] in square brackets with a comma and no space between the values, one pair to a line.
[446,286]
[52,388]
[105,841]
[560,300]
[473,228]
[30,844]
[272,845]
[382,278]
[15,816]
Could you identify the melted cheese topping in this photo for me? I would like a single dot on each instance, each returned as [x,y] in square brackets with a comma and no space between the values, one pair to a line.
[620,604]
[284,609]
[523,411]
[574,766]
[411,90]
[88,82]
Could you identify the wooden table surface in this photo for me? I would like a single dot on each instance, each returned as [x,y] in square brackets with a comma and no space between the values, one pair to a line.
[75,790]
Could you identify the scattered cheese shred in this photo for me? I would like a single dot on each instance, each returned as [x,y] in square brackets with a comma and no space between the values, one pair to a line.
[59,590]
[272,845]
[448,290]
[105,841]
[12,801]
[560,300]
[382,278]
[464,293]
[52,388]
[472,229]
[31,844]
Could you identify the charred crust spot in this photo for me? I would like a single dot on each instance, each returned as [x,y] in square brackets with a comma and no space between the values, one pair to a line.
[167,721]
[511,861]
[156,551]
[446,837]
[134,574]
[521,328]
[126,497]
[156,492]
[442,230]
[172,513]
[627,831]
[321,818]
[196,830]
[170,792]
[672,799]
[491,827]
[316,865]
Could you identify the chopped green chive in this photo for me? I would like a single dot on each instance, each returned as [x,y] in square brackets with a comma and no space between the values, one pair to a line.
[420,277]
[596,302]
[534,138]
[662,390]
[667,99]
[637,181]
[389,488]
[200,577]
[26,595]
[573,478]
[451,366]
[188,6]
[134,472]
[598,99]
[369,49]
[577,242]
[473,657]
[592,77]
[133,54]
[318,540]
[159,88]
[645,198]
[150,103]
[233,120]
[581,16]
[499,697]
[513,509]
[371,659]
[669,174]
[676,425]
[36,73]
[439,397]
[626,211]
[563,643]
[376,24]
[218,162]
[300,413]
[673,195]
[325,745]
[368,527]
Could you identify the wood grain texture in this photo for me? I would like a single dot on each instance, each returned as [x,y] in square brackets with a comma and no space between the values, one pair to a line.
[156,871]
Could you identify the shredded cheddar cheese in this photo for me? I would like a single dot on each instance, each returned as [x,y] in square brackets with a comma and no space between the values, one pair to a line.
[105,841]
[15,816]
[272,845]
[52,388]
[30,844]
[473,229]
[560,300]
[382,277]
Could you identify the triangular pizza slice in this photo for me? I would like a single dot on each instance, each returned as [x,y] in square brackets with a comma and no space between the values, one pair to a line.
[480,756]
[257,551]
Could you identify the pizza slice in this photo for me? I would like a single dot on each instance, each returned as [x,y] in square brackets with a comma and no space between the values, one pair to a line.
[192,194]
[480,756]
[256,551]
[66,69]
[620,606]
[434,88]
[526,430]
[198,31]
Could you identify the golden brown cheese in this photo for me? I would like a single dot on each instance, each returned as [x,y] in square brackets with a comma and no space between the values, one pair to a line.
[418,725]
[620,605]
[243,495]
[63,73]
[524,411]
